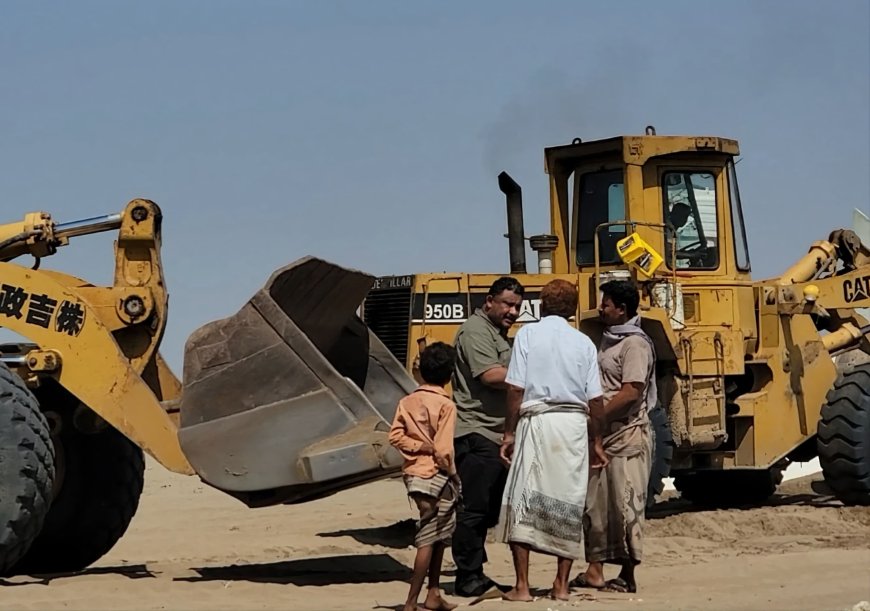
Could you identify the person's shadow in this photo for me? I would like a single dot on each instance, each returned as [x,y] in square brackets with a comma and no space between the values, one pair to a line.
[130,571]
[398,535]
[329,570]
[323,571]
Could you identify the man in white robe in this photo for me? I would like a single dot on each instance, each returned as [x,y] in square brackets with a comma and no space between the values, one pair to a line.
[554,408]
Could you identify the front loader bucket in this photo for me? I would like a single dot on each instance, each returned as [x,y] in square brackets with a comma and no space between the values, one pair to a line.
[292,397]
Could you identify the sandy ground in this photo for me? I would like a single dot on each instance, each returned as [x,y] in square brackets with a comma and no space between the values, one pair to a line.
[190,547]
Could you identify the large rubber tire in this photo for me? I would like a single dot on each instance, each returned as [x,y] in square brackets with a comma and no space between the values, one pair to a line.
[102,479]
[731,488]
[843,439]
[26,469]
[663,454]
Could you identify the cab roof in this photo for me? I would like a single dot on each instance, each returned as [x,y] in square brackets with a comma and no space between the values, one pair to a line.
[636,150]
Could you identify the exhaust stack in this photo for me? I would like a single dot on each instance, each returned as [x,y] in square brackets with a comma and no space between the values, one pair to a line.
[516,236]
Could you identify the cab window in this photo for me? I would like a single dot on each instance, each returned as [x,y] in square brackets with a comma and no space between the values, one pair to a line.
[600,199]
[741,248]
[691,236]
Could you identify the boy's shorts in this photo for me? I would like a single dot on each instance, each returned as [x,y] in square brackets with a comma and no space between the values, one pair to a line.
[436,498]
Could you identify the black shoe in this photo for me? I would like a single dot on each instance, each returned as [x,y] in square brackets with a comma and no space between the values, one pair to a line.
[473,586]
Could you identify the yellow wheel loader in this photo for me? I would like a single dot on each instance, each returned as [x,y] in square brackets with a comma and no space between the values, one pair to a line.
[752,375]
[290,399]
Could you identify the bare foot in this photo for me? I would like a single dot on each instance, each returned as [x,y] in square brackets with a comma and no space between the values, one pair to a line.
[518,596]
[410,607]
[559,592]
[438,604]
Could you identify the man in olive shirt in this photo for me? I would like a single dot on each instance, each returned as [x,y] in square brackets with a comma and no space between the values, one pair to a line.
[479,391]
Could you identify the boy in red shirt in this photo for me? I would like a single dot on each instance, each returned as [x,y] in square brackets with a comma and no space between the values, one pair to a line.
[422,431]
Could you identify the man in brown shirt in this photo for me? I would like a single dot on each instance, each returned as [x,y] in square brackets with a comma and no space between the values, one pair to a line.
[422,431]
[616,499]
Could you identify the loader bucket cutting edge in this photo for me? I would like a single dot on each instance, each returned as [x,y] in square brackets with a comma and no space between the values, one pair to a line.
[291,397]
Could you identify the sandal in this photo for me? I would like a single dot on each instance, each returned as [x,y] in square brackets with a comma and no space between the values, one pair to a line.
[619,585]
[582,582]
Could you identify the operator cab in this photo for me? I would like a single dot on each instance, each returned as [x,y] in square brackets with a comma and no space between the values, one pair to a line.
[678,194]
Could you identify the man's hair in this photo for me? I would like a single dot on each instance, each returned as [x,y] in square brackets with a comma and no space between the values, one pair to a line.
[436,363]
[623,294]
[506,283]
[679,209]
[559,297]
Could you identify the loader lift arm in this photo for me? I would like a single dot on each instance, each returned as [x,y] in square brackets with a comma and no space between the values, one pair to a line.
[100,343]
[830,282]
[289,399]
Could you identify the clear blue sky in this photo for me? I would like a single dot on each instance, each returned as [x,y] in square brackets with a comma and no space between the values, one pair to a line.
[371,133]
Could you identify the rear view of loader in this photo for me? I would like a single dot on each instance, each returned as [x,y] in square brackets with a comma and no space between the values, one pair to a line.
[289,399]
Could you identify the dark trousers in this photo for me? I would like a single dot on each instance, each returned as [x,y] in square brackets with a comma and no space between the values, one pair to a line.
[483,477]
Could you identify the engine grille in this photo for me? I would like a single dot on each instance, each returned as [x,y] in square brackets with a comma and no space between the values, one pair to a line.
[387,312]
